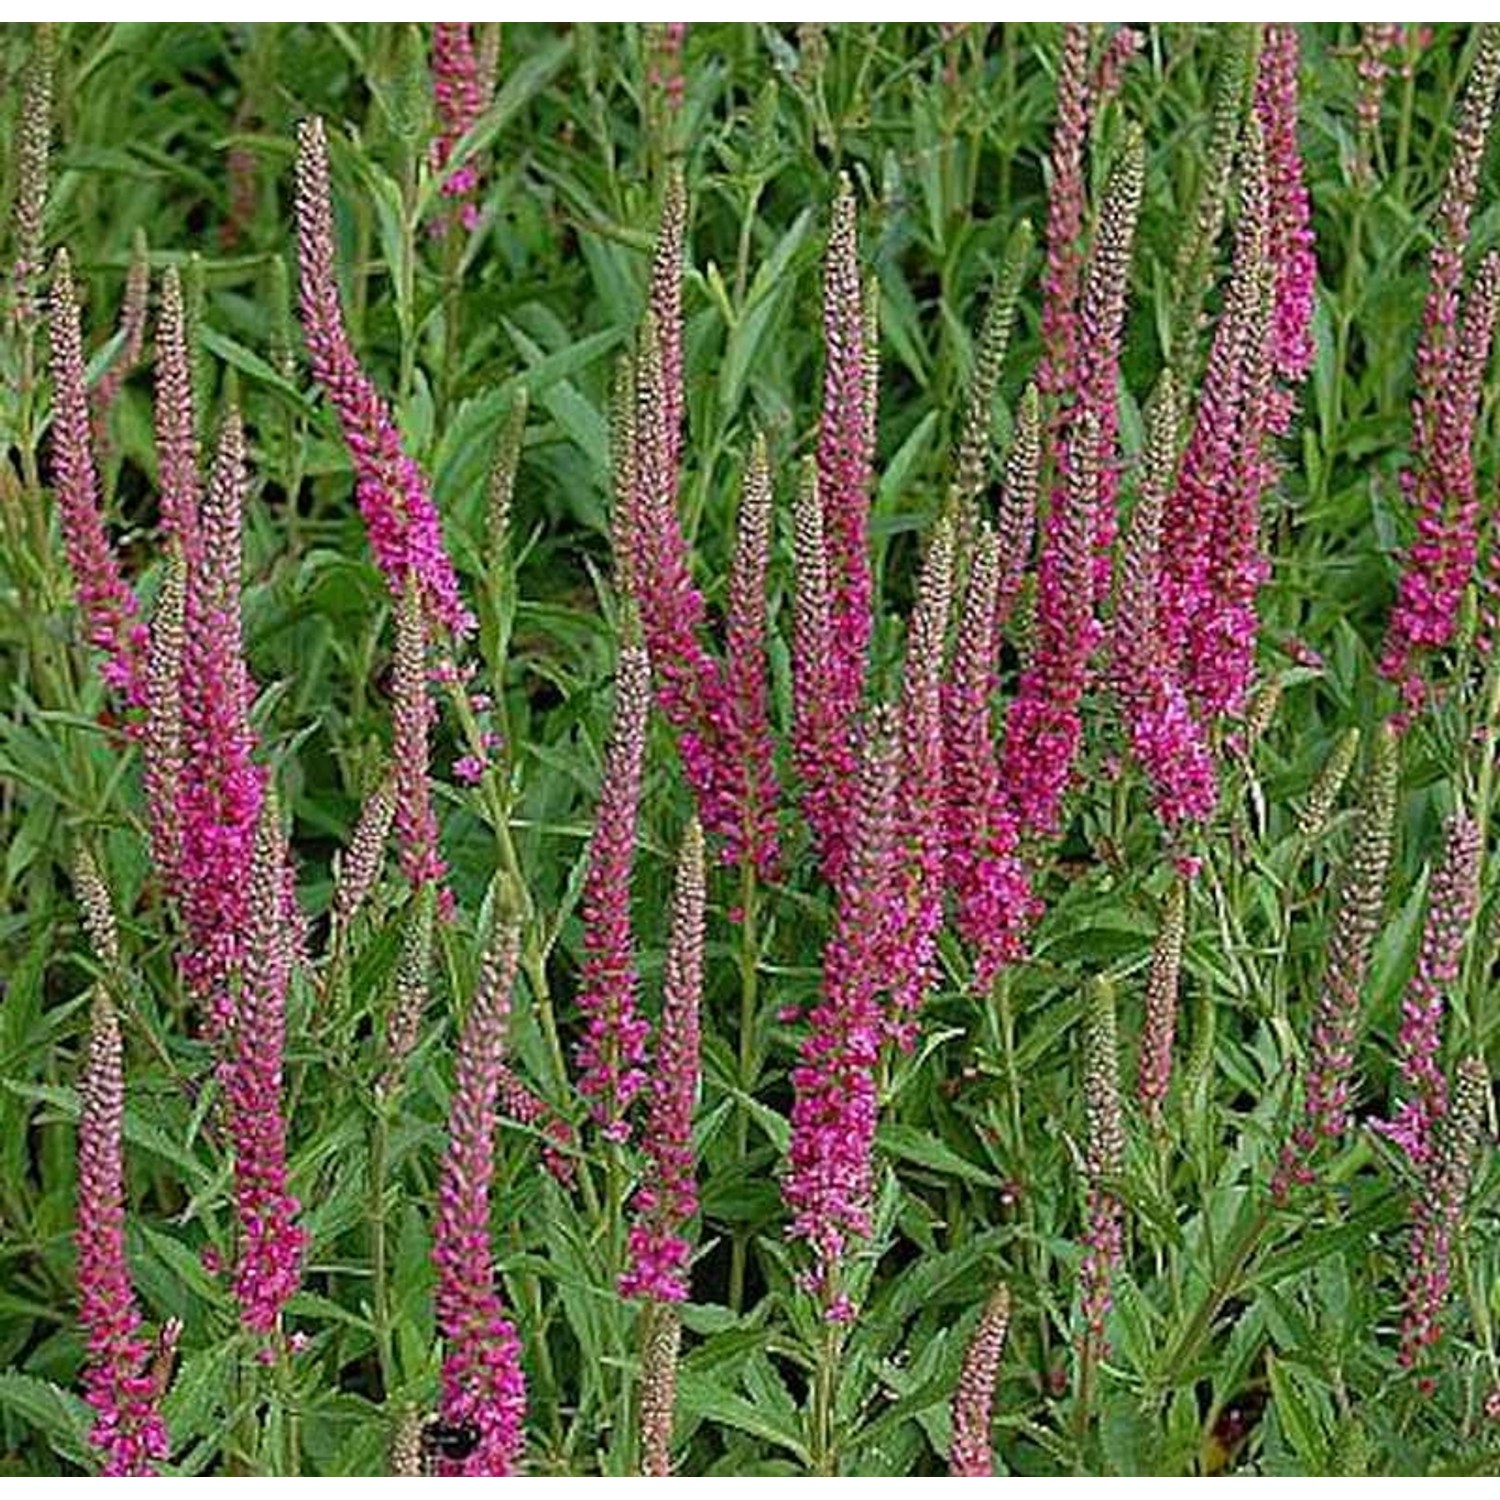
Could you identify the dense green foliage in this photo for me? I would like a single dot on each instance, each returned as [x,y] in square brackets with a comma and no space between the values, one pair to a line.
[1243,1335]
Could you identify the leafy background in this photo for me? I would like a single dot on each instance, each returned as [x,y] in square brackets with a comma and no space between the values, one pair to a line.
[1280,1360]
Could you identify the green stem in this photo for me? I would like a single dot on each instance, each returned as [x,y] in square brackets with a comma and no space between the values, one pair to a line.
[825,1390]
[380,1311]
[749,1066]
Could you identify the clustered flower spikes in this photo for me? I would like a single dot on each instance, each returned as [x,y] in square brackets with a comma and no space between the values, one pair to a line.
[483,1384]
[716,710]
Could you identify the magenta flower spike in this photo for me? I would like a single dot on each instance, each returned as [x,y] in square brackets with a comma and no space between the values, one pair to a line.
[823,754]
[401,520]
[1291,237]
[1212,563]
[1440,486]
[128,1430]
[1166,738]
[220,785]
[921,806]
[829,1178]
[668,1197]
[176,425]
[1043,730]
[746,676]
[846,456]
[272,1244]
[111,615]
[483,1384]
[1452,902]
[1066,201]
[993,899]
[459,95]
[612,1051]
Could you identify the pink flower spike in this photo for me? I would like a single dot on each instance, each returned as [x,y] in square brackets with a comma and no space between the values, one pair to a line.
[612,1051]
[220,786]
[1452,902]
[746,674]
[483,1384]
[668,1197]
[128,1430]
[1291,237]
[846,455]
[989,883]
[111,615]
[830,1178]
[920,802]
[460,99]
[400,518]
[272,1244]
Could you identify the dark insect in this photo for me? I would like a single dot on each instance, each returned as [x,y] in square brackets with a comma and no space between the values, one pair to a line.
[452,1442]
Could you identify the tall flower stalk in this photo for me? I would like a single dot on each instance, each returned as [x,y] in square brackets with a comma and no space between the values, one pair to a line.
[846,453]
[970,1455]
[1166,737]
[746,675]
[1437,1216]
[483,1385]
[1359,904]
[1440,485]
[459,94]
[111,615]
[272,1243]
[829,1178]
[1290,235]
[119,1384]
[401,520]
[220,784]
[668,1196]
[1452,901]
[1103,1164]
[992,895]
[921,803]
[612,1050]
